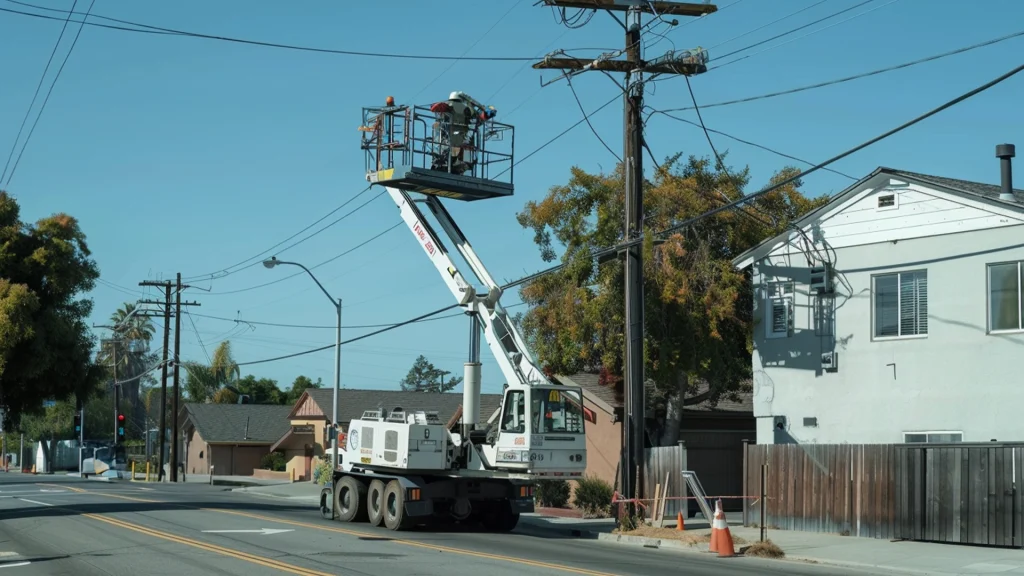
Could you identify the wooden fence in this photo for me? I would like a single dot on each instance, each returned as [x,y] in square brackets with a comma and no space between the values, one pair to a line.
[957,493]
[662,462]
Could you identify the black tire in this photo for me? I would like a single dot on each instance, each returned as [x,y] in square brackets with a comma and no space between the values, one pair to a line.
[394,507]
[375,502]
[326,498]
[500,518]
[350,500]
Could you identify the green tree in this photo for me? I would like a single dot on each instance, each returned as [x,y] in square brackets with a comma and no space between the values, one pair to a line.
[697,306]
[300,385]
[260,390]
[425,377]
[46,347]
[202,382]
[130,346]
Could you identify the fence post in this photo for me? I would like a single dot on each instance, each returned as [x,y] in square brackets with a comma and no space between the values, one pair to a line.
[746,488]
[764,503]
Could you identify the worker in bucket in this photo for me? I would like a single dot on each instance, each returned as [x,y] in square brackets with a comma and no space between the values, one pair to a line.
[455,131]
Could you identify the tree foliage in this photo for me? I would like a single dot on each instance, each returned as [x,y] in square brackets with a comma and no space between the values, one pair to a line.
[697,305]
[425,377]
[300,385]
[130,345]
[204,381]
[45,343]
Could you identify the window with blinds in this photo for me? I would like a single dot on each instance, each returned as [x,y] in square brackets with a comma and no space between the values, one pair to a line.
[779,312]
[1005,296]
[900,303]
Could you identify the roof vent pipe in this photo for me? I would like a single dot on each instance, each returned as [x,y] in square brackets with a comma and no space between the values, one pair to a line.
[1005,153]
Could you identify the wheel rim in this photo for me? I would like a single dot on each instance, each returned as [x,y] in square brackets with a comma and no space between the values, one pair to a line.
[375,501]
[392,505]
[346,500]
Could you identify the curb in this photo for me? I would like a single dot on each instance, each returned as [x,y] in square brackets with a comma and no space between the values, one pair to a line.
[649,542]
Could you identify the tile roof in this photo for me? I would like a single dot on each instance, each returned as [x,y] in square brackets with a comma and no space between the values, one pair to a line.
[352,403]
[741,401]
[226,423]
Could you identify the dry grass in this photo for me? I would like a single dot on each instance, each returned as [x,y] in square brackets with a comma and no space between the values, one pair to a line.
[691,537]
[766,549]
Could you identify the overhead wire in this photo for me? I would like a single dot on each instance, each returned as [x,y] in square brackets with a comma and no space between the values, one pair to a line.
[763,26]
[49,92]
[690,221]
[227,271]
[150,29]
[39,86]
[855,76]
[811,33]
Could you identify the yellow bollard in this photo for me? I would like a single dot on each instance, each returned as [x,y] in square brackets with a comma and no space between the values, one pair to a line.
[133,471]
[147,470]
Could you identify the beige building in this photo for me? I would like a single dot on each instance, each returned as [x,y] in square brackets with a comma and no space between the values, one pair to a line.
[232,438]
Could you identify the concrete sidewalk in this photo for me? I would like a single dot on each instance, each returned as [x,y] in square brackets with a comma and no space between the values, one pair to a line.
[866,553]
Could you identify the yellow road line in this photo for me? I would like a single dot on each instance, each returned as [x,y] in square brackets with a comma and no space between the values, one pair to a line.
[414,543]
[418,544]
[270,563]
[62,486]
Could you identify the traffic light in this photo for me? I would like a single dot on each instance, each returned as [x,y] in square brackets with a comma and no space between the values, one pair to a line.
[120,426]
[78,423]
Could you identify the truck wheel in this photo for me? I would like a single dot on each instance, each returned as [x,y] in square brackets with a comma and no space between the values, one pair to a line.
[375,503]
[326,498]
[393,507]
[349,500]
[500,518]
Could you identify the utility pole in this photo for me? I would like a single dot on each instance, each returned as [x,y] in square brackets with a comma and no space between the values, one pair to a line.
[177,361]
[163,376]
[685,62]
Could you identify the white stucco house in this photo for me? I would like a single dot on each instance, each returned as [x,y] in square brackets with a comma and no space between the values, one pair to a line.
[893,314]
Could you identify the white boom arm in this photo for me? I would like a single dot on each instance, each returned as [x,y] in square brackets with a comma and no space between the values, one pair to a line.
[502,337]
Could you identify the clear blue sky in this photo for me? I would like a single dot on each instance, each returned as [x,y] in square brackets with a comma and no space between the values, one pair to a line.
[184,154]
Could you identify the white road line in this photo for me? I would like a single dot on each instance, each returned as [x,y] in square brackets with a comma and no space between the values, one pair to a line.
[34,502]
[14,565]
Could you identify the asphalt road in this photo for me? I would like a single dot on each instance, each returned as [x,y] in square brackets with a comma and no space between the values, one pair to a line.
[52,525]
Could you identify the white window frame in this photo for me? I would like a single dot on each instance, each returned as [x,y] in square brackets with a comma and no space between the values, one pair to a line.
[930,432]
[899,305]
[773,298]
[1020,298]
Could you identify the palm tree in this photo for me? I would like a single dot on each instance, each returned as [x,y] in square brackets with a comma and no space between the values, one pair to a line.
[130,347]
[203,382]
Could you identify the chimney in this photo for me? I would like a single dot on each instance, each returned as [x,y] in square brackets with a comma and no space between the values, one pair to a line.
[1005,153]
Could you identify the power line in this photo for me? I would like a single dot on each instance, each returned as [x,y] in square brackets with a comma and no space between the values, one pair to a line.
[811,33]
[792,30]
[39,86]
[227,271]
[763,26]
[749,143]
[149,29]
[586,117]
[855,76]
[328,261]
[323,326]
[48,93]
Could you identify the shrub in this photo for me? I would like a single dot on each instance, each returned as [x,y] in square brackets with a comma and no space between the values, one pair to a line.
[552,493]
[322,472]
[273,461]
[593,496]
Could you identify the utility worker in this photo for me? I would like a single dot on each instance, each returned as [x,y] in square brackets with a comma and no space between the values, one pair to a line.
[458,120]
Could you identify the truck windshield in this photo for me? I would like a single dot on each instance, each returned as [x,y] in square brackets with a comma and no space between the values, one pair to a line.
[557,411]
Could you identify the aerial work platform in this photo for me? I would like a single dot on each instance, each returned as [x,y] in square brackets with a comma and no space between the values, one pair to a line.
[452,149]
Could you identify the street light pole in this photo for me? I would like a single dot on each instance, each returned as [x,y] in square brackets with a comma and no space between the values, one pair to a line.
[337,352]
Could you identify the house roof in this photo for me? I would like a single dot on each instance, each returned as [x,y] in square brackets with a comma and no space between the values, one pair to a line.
[227,423]
[977,190]
[352,403]
[737,402]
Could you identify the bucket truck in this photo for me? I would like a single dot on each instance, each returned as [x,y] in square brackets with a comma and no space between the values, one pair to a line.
[402,468]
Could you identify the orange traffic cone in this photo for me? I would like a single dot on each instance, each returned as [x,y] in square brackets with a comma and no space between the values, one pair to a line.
[679,521]
[713,547]
[724,544]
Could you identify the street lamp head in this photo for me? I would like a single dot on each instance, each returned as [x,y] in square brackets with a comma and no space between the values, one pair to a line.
[270,263]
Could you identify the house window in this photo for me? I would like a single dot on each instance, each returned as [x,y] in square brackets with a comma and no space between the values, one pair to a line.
[901,304]
[887,202]
[932,437]
[779,312]
[1005,283]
